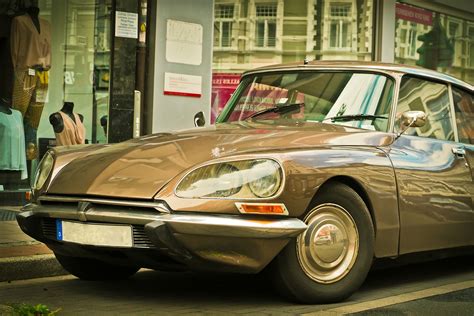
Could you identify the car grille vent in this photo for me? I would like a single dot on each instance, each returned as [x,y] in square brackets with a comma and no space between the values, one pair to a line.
[49,228]
[140,239]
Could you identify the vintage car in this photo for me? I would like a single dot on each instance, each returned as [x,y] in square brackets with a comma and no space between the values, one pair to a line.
[312,170]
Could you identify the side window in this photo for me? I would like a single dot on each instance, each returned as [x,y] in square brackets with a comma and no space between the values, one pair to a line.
[464,115]
[433,99]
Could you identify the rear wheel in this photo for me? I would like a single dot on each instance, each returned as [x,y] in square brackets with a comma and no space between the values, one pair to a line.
[330,260]
[91,269]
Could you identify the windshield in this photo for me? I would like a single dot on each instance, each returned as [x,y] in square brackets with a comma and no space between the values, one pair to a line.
[354,99]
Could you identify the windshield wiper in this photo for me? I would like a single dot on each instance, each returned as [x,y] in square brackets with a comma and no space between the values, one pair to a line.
[282,109]
[355,117]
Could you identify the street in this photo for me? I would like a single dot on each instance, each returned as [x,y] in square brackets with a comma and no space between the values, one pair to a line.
[434,288]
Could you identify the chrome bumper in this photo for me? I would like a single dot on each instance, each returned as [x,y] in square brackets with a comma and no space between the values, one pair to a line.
[200,241]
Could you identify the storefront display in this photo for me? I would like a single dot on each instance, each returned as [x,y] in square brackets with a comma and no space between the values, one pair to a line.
[68,126]
[52,53]
[12,144]
[30,43]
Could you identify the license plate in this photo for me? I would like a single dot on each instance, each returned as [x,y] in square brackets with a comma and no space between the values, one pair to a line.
[94,234]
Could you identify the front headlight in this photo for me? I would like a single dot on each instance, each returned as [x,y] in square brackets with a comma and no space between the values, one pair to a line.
[245,179]
[44,169]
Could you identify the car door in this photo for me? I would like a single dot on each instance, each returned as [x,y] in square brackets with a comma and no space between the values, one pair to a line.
[464,113]
[434,181]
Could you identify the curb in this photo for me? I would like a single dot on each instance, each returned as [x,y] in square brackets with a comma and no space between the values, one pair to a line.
[29,267]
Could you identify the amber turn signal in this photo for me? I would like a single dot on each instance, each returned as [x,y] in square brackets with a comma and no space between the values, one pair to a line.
[262,208]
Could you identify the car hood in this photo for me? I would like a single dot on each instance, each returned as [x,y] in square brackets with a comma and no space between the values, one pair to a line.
[140,168]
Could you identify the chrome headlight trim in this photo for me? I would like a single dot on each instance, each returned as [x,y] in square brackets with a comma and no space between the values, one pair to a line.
[45,167]
[245,187]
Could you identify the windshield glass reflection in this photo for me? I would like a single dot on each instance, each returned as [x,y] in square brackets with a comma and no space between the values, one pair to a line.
[361,100]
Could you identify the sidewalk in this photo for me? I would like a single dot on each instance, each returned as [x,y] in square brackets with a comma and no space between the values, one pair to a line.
[21,257]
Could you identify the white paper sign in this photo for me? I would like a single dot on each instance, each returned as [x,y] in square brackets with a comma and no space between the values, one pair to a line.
[126,24]
[184,42]
[183,85]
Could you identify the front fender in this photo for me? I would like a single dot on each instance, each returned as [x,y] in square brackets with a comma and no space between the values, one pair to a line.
[306,170]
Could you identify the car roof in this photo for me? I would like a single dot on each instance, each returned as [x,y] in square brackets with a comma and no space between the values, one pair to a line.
[363,65]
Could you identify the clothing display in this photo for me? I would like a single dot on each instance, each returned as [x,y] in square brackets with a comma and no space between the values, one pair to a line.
[73,133]
[12,143]
[30,47]
[29,94]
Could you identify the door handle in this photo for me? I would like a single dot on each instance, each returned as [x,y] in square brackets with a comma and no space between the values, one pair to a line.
[459,151]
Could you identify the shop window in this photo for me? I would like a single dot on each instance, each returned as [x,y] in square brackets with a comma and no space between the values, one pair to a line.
[266,25]
[340,25]
[252,33]
[434,40]
[224,17]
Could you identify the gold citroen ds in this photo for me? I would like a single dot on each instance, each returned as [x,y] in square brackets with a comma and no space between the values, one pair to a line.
[312,170]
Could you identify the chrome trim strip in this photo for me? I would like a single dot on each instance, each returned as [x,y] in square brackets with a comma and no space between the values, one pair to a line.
[236,226]
[190,224]
[159,206]
[427,73]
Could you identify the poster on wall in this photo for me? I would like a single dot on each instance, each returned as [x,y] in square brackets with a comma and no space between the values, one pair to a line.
[126,24]
[223,85]
[183,85]
[184,42]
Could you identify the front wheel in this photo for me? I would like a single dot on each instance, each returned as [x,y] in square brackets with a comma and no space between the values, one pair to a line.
[330,260]
[94,270]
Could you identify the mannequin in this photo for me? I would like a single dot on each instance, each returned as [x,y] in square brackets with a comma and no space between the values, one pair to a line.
[68,126]
[103,123]
[33,12]
[4,108]
[30,38]
[30,48]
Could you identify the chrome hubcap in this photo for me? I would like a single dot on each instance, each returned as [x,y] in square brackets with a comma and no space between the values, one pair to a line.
[328,249]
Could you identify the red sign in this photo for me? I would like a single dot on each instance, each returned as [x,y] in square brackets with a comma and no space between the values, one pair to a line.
[223,85]
[413,14]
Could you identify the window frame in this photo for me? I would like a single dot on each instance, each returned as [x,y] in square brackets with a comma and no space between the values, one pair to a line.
[450,98]
[266,20]
[339,21]
[221,21]
[224,115]
[409,47]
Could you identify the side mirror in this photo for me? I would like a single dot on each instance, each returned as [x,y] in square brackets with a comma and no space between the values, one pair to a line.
[199,119]
[413,119]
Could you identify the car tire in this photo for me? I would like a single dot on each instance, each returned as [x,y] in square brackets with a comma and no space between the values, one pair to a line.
[330,260]
[94,270]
